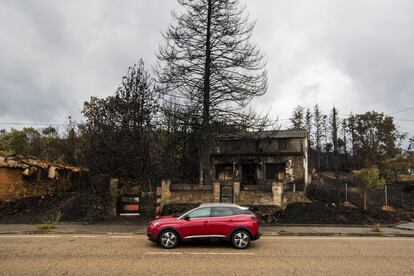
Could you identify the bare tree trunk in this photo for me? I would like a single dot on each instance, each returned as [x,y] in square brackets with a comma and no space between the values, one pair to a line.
[205,176]
[335,153]
[319,157]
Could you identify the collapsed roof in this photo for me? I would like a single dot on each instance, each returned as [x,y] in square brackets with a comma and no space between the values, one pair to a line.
[31,164]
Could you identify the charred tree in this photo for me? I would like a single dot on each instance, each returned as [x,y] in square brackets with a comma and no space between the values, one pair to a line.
[335,151]
[209,63]
[119,129]
[319,134]
[298,117]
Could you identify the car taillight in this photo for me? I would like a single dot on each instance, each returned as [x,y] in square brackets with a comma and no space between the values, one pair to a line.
[253,218]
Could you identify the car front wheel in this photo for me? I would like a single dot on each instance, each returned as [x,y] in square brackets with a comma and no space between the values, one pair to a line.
[240,239]
[168,239]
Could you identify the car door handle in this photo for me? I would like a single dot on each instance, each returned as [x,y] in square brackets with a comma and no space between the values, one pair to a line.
[230,220]
[205,222]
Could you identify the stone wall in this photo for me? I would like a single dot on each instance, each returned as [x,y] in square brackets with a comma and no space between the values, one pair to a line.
[188,194]
[14,183]
[261,198]
[252,198]
[193,194]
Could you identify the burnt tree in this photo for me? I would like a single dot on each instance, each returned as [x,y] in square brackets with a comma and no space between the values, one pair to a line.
[319,134]
[119,128]
[209,63]
[298,117]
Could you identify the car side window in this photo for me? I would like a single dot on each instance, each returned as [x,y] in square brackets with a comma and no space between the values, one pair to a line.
[221,212]
[200,213]
[239,211]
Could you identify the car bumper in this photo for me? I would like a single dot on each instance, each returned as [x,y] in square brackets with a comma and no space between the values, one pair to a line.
[150,234]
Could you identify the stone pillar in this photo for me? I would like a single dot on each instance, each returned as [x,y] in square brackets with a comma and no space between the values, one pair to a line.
[166,194]
[236,191]
[111,210]
[166,189]
[216,191]
[277,191]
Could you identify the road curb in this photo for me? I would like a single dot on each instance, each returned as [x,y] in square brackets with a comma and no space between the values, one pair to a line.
[265,234]
[69,233]
[393,225]
[286,234]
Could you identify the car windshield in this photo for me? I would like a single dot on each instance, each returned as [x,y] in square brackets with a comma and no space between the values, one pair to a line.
[179,214]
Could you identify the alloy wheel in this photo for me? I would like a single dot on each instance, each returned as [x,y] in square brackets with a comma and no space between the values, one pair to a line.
[168,239]
[241,239]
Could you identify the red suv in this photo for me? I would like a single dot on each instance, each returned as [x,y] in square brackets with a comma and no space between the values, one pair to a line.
[214,220]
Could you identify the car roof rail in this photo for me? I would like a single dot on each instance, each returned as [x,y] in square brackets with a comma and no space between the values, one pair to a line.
[216,204]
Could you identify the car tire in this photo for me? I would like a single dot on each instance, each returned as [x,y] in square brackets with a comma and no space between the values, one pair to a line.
[240,239]
[168,239]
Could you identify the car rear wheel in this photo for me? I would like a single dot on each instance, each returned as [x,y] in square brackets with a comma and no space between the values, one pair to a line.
[168,239]
[240,239]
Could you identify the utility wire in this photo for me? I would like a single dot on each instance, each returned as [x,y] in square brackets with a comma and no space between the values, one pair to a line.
[402,110]
[284,119]
[34,124]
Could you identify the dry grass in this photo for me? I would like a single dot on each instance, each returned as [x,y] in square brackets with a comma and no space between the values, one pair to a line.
[376,227]
[50,222]
[45,226]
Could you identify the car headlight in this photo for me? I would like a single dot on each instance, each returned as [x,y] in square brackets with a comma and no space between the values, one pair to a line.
[156,223]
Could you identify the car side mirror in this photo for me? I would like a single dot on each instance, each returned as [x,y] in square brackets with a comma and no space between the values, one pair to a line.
[186,217]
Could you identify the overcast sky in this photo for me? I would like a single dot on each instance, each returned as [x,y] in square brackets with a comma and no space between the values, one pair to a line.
[354,54]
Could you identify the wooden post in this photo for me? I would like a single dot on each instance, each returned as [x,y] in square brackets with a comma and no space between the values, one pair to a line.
[386,195]
[346,191]
[365,199]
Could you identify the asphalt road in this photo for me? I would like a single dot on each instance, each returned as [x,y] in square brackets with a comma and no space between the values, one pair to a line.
[129,254]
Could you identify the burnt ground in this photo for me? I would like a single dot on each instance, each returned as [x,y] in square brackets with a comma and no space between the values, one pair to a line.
[318,212]
[76,206]
[40,209]
[321,209]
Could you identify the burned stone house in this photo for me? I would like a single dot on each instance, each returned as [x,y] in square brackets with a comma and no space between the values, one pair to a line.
[25,176]
[258,159]
[265,168]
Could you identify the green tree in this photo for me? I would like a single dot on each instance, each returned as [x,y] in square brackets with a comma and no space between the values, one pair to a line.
[369,179]
[375,138]
[392,167]
[410,147]
[25,141]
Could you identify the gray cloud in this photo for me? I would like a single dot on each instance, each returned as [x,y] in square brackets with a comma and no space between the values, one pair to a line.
[353,54]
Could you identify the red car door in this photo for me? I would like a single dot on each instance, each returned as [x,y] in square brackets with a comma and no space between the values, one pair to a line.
[196,223]
[222,221]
